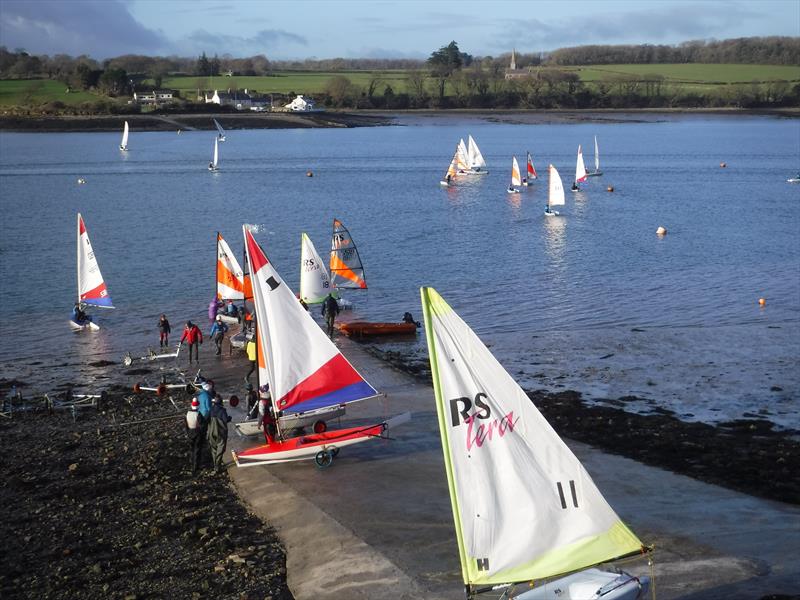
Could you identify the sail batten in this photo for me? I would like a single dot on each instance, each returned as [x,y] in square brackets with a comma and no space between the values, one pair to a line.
[347,271]
[523,505]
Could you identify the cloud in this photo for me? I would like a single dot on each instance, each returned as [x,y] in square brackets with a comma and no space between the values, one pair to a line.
[659,25]
[100,28]
[262,42]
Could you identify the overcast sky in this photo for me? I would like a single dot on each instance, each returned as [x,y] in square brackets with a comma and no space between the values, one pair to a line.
[374,29]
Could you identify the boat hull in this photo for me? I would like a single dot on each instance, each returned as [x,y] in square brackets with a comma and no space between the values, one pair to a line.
[228,319]
[591,584]
[594,174]
[306,447]
[793,180]
[85,326]
[367,329]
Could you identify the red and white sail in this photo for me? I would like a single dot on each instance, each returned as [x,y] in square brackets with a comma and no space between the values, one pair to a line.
[230,276]
[580,168]
[530,169]
[305,369]
[92,289]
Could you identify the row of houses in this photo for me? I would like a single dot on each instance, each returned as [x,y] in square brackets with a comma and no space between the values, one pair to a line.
[239,99]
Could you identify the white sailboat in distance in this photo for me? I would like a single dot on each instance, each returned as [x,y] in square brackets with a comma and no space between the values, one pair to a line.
[597,172]
[525,510]
[580,171]
[220,131]
[214,164]
[123,145]
[555,192]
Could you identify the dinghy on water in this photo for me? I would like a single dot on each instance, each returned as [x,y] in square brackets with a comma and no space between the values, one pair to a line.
[580,171]
[214,164]
[462,158]
[555,192]
[530,174]
[314,378]
[477,164]
[597,172]
[525,510]
[92,290]
[123,145]
[516,179]
[450,175]
[220,131]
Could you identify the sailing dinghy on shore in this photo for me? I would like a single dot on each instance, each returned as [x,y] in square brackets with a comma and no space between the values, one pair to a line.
[307,373]
[92,290]
[525,509]
[347,271]
[231,282]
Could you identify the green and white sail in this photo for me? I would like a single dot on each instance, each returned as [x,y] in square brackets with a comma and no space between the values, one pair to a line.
[524,507]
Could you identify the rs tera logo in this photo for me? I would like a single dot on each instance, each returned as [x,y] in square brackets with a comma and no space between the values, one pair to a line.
[460,410]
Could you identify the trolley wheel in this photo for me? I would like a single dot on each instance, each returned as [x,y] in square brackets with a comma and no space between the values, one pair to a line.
[137,388]
[320,427]
[234,401]
[324,459]
[335,452]
[161,389]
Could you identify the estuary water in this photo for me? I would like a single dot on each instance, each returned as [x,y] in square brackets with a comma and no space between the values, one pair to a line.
[592,300]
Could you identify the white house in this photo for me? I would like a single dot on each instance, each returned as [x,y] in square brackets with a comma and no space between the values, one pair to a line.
[154,96]
[241,100]
[301,104]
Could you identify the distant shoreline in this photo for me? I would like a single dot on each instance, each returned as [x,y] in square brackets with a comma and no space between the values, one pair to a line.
[365,118]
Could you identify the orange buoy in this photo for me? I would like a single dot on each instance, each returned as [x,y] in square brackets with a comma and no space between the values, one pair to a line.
[762,301]
[309,174]
[610,188]
[723,165]
[661,231]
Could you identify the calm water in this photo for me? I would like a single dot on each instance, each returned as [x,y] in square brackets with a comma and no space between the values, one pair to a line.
[593,300]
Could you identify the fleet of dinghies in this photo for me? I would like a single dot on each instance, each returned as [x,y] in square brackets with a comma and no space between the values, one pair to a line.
[525,509]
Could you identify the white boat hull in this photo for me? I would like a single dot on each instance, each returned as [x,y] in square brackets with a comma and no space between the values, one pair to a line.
[289,422]
[228,319]
[551,213]
[591,584]
[793,180]
[444,183]
[87,326]
[513,191]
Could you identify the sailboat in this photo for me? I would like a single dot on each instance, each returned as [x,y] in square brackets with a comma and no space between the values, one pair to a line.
[220,130]
[530,171]
[123,145]
[92,289]
[307,373]
[231,283]
[525,509]
[580,171]
[315,283]
[477,164]
[212,166]
[450,175]
[515,177]
[347,271]
[597,172]
[462,157]
[555,192]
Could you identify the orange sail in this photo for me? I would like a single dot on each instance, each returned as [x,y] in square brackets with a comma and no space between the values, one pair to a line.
[347,272]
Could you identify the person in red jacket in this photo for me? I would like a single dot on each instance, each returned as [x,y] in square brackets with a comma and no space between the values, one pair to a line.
[193,337]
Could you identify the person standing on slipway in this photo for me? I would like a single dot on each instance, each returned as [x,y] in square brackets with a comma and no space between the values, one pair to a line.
[196,432]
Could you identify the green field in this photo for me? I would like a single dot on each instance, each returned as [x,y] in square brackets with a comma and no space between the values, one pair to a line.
[700,77]
[34,92]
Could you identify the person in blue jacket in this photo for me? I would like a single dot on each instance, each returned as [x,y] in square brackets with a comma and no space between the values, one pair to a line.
[218,330]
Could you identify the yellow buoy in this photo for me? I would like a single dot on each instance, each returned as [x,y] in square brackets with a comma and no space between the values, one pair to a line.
[762,301]
[661,231]
[309,174]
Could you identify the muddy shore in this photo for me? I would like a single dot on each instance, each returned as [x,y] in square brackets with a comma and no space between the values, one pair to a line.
[95,509]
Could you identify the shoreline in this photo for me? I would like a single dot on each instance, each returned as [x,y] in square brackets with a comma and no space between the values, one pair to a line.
[362,118]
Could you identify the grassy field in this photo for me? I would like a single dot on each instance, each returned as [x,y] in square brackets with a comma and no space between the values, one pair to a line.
[701,77]
[33,92]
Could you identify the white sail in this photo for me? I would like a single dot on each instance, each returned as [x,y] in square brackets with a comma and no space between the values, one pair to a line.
[580,168]
[91,286]
[215,162]
[555,189]
[462,157]
[476,160]
[315,284]
[596,156]
[123,145]
[220,130]
[524,506]
[516,178]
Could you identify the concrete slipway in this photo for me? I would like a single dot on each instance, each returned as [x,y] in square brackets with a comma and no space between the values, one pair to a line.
[378,524]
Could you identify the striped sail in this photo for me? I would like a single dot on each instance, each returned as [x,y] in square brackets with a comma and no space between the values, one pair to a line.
[555,189]
[305,369]
[91,287]
[230,277]
[524,506]
[515,176]
[580,168]
[347,272]
[315,283]
[530,168]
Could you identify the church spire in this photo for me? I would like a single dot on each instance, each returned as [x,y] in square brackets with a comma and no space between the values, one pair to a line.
[513,59]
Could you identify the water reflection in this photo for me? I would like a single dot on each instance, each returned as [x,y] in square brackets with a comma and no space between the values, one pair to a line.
[555,238]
